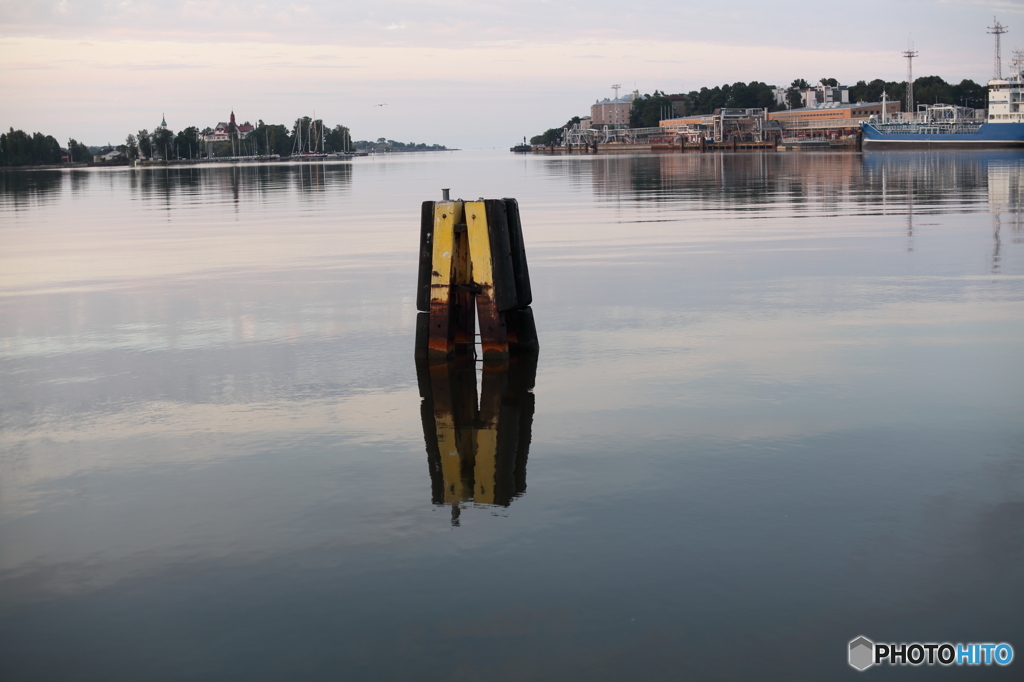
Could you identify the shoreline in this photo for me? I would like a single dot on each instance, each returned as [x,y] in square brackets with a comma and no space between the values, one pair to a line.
[233,160]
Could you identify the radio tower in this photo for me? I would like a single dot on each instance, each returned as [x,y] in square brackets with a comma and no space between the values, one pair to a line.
[997,31]
[616,89]
[910,53]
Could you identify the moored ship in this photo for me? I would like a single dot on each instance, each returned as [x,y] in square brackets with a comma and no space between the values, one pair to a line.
[946,125]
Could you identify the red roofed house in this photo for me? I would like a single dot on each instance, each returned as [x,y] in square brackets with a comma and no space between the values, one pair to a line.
[222,133]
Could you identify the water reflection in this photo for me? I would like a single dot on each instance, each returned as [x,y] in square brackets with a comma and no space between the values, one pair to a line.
[239,180]
[22,189]
[168,184]
[477,450]
[865,183]
[210,445]
[749,182]
[1005,187]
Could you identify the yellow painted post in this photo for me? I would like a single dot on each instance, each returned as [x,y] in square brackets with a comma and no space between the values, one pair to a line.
[493,340]
[446,261]
[472,262]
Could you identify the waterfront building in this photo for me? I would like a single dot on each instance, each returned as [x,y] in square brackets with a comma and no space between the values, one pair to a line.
[612,112]
[824,95]
[222,132]
[108,154]
[721,126]
[831,111]
[748,125]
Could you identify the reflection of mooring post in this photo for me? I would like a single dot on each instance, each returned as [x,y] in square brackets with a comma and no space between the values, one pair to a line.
[477,453]
[473,252]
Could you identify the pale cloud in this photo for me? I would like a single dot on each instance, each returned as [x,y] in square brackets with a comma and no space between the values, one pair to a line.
[512,68]
[748,22]
[999,6]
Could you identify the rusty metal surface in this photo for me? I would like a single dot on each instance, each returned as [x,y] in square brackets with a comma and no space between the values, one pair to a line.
[493,341]
[502,271]
[451,320]
[477,453]
[477,260]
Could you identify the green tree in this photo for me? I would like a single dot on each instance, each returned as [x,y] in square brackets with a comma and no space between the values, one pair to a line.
[272,139]
[162,140]
[187,144]
[338,139]
[969,94]
[741,96]
[551,136]
[763,96]
[301,133]
[705,100]
[45,149]
[793,93]
[145,145]
[17,148]
[79,152]
[752,95]
[859,92]
[647,111]
[932,90]
[872,92]
[130,147]
[385,145]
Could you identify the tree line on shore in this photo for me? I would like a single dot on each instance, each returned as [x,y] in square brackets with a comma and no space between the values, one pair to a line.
[262,139]
[383,145]
[647,110]
[18,148]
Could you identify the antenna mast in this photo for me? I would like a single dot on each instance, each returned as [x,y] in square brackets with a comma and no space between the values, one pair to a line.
[910,53]
[997,31]
[616,89]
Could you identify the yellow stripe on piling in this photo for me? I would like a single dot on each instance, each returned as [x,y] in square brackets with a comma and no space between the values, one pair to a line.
[479,245]
[443,276]
[444,248]
[493,340]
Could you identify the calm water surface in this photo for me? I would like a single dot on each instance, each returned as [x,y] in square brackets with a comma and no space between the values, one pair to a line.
[778,404]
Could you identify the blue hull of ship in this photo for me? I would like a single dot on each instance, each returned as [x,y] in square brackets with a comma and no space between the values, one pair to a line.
[989,135]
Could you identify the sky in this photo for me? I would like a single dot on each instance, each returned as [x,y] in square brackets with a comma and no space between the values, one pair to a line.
[463,74]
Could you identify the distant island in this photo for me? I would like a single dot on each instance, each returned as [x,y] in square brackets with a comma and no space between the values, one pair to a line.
[382,145]
[307,137]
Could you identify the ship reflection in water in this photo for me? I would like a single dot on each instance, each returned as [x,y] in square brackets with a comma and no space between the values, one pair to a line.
[477,450]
